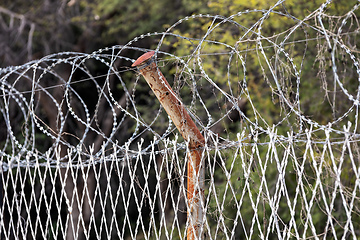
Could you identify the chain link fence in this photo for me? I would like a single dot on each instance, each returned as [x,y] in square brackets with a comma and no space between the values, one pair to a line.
[87,152]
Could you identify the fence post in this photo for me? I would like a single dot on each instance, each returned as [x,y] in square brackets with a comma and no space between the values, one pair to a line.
[175,109]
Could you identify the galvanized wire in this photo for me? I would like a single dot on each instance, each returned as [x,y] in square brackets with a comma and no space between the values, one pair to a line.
[112,165]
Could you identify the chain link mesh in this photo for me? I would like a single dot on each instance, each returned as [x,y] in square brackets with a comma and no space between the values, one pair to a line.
[111,166]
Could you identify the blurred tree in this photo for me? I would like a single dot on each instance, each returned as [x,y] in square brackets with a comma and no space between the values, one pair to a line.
[320,99]
[33,29]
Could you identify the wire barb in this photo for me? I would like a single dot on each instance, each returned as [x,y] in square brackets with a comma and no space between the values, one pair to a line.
[87,152]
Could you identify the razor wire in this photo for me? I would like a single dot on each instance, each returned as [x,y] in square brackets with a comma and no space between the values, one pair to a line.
[84,142]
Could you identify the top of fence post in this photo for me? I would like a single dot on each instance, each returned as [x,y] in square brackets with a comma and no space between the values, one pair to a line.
[186,126]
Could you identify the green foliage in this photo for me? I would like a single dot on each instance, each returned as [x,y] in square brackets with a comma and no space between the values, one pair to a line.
[124,20]
[309,54]
[89,25]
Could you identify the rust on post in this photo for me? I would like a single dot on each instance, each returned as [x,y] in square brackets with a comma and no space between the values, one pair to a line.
[187,128]
[143,58]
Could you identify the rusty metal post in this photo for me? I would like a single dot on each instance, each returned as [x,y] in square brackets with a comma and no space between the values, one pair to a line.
[186,126]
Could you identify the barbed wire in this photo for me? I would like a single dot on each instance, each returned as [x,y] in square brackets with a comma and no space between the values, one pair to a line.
[84,140]
[77,101]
